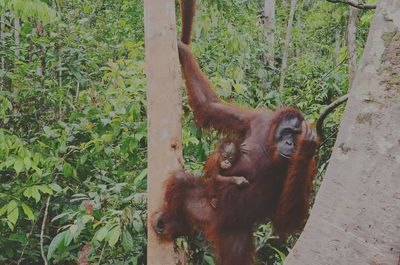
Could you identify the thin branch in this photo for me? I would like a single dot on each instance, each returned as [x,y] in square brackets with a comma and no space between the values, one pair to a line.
[327,139]
[29,235]
[101,254]
[335,68]
[354,4]
[320,79]
[46,212]
[329,109]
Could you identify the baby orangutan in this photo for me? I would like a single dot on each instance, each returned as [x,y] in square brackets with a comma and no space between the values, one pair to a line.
[221,160]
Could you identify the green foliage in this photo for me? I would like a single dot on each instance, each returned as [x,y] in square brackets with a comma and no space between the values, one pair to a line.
[73,116]
[73,130]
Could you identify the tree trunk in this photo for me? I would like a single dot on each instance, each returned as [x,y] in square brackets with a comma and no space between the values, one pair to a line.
[355,219]
[17,30]
[164,113]
[352,45]
[287,41]
[269,24]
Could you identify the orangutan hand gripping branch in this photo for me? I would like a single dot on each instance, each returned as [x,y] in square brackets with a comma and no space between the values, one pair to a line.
[276,156]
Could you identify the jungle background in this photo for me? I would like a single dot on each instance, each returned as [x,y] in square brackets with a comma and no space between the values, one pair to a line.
[73,134]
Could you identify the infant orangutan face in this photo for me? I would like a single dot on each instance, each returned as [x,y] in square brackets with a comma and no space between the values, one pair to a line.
[228,155]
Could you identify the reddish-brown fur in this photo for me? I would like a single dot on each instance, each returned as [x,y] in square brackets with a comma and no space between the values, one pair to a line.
[279,188]
[212,170]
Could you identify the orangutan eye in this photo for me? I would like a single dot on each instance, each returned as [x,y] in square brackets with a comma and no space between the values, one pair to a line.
[287,131]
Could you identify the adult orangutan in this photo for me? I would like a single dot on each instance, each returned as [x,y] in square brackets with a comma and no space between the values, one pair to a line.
[277,157]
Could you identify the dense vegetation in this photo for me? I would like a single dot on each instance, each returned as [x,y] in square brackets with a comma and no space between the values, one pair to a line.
[73,115]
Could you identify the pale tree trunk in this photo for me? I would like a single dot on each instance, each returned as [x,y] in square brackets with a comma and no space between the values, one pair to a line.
[164,113]
[352,45]
[287,42]
[17,30]
[269,24]
[337,46]
[355,218]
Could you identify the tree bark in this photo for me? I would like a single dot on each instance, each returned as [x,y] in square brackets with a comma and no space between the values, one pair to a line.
[355,219]
[352,45]
[164,113]
[269,25]
[287,41]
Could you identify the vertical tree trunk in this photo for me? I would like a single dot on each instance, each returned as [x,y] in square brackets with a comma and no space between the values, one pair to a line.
[164,113]
[17,30]
[269,24]
[355,218]
[287,41]
[352,45]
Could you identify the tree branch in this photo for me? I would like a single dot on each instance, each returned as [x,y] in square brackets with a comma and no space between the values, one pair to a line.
[29,235]
[329,109]
[46,212]
[354,4]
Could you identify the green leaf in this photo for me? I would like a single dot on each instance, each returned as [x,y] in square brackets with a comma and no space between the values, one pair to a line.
[57,241]
[35,193]
[28,211]
[101,234]
[134,261]
[32,192]
[3,209]
[55,187]
[68,170]
[107,137]
[127,241]
[73,229]
[28,192]
[113,235]
[38,170]
[27,163]
[86,218]
[10,161]
[60,216]
[282,256]
[68,238]
[140,177]
[45,189]
[12,212]
[238,87]
[19,166]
